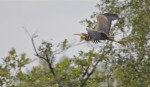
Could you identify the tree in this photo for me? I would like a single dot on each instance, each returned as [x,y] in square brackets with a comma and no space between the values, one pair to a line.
[10,66]
[130,64]
[66,73]
[104,65]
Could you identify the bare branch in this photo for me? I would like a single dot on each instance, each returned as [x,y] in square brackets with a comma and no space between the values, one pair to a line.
[33,44]
[50,66]
[46,58]
[83,82]
[86,71]
[25,28]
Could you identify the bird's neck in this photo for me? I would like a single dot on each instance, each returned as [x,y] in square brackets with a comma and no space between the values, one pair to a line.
[87,38]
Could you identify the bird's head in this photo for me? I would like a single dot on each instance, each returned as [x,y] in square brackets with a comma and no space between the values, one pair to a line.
[83,36]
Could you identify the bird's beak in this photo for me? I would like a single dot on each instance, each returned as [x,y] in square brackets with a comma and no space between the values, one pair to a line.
[77,34]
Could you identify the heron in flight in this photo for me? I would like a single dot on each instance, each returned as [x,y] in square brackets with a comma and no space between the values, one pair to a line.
[102,30]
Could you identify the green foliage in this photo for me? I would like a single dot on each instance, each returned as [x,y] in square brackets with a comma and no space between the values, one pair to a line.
[11,66]
[130,68]
[36,78]
[46,48]
[106,65]
[64,44]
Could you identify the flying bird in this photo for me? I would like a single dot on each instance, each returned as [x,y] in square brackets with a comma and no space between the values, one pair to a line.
[102,30]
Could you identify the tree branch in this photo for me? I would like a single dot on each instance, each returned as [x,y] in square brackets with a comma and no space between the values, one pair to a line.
[83,82]
[50,66]
[86,71]
[46,58]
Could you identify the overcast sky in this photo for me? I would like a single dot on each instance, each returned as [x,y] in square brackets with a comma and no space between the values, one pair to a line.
[52,19]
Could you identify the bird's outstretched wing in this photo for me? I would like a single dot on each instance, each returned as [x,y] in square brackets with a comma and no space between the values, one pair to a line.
[104,22]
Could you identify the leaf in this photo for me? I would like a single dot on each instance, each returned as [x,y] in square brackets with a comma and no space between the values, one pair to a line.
[12,51]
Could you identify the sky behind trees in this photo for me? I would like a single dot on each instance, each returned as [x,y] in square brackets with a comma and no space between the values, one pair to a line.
[106,64]
[51,19]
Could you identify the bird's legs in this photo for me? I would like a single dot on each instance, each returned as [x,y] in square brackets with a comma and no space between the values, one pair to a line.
[120,42]
[111,38]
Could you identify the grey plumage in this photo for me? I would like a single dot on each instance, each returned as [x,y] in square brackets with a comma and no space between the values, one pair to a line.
[103,27]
